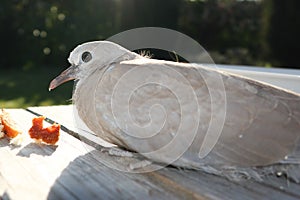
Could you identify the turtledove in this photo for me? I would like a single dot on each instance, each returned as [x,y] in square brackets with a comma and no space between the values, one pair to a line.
[144,105]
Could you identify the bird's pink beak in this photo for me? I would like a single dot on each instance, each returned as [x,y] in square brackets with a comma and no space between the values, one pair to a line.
[67,75]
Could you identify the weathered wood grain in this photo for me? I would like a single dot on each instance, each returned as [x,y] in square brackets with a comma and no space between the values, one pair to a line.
[30,170]
[75,170]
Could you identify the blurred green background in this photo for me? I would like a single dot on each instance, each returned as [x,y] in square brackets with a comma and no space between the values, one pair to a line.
[37,36]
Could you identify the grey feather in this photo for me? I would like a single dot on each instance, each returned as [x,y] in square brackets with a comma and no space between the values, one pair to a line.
[266,117]
[261,126]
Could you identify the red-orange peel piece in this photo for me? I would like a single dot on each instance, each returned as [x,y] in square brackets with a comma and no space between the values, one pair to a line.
[49,135]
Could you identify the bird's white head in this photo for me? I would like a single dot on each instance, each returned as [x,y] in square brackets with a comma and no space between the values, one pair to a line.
[87,58]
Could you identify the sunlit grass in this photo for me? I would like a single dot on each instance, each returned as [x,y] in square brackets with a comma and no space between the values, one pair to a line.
[23,88]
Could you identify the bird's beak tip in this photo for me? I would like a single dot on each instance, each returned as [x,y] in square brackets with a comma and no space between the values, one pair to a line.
[50,88]
[53,84]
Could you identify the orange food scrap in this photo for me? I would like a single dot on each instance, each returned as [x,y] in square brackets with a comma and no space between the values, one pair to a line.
[49,135]
[9,125]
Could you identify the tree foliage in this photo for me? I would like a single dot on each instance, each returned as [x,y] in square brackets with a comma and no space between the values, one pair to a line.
[284,32]
[38,33]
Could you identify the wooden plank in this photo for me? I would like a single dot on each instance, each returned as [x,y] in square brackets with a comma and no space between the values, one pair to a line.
[275,187]
[34,171]
[31,169]
[73,170]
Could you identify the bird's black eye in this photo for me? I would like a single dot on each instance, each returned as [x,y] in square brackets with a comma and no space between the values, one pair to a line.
[86,56]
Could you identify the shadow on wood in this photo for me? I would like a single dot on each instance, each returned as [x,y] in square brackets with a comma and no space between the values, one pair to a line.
[87,177]
[39,149]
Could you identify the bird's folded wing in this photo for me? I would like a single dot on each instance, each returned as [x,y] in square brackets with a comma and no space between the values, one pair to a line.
[261,125]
